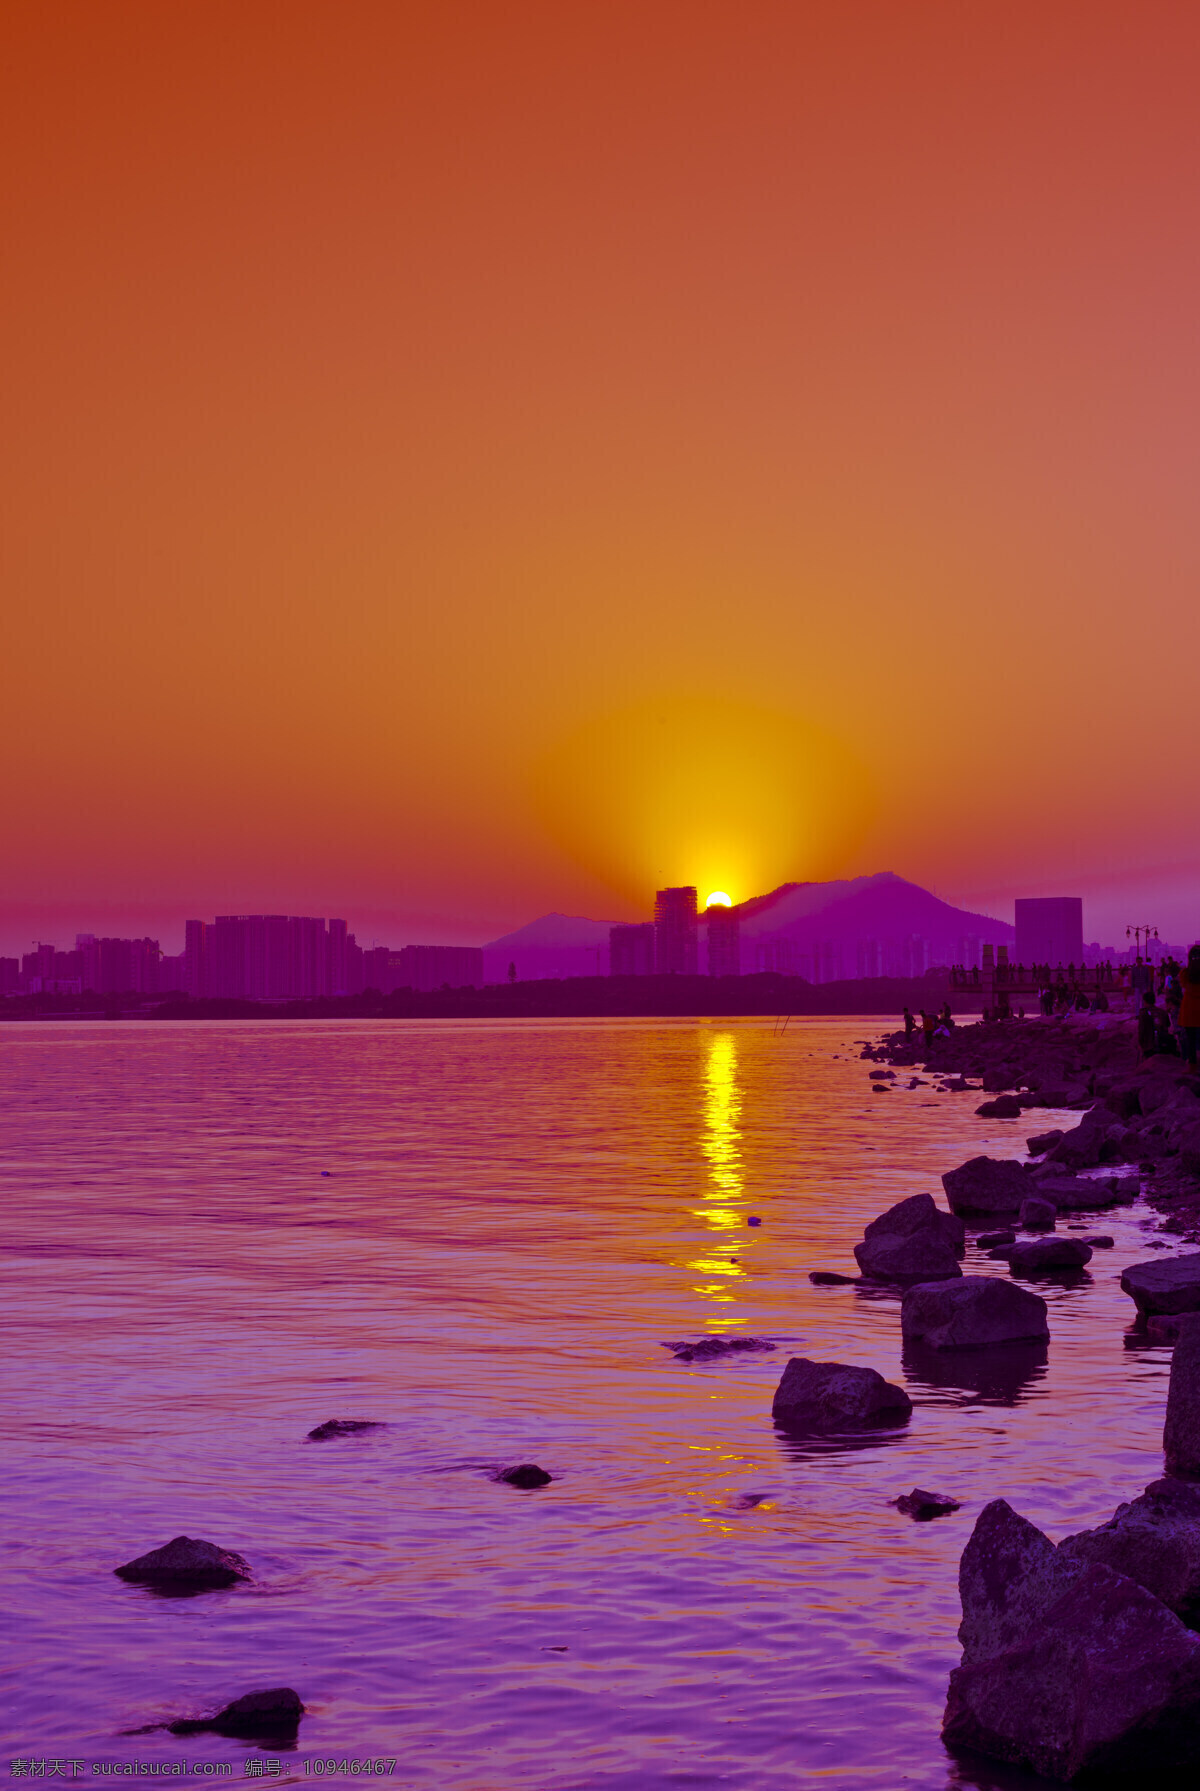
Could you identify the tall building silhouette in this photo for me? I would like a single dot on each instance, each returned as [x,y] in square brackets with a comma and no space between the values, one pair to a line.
[675,932]
[724,940]
[631,950]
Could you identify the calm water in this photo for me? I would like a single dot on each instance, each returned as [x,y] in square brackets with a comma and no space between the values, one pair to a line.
[514,1217]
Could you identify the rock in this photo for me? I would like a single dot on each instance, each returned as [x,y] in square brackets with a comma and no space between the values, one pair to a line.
[912,1241]
[1003,1107]
[994,1080]
[1154,1539]
[526,1473]
[1161,1329]
[1107,1680]
[1085,1146]
[711,1349]
[1038,1145]
[275,1714]
[879,1089]
[1009,1574]
[1099,1241]
[972,1313]
[1181,1433]
[1038,1214]
[1036,1255]
[1075,1194]
[828,1278]
[985,1185]
[186,1561]
[829,1396]
[1170,1286]
[990,1239]
[341,1427]
[923,1505]
[883,1075]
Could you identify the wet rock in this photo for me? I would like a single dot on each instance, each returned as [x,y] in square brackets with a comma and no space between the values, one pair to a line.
[985,1185]
[1003,1107]
[989,1240]
[1038,1214]
[912,1241]
[1009,1574]
[273,1715]
[1074,1194]
[1181,1433]
[829,1278]
[186,1562]
[994,1080]
[525,1474]
[922,1505]
[1153,1539]
[973,1313]
[341,1427]
[879,1089]
[1171,1286]
[1099,1240]
[1041,1142]
[883,1075]
[1107,1680]
[1037,1255]
[712,1349]
[830,1396]
[1085,1146]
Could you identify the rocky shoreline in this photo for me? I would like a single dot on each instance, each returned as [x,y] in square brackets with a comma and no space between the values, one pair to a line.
[1080,1658]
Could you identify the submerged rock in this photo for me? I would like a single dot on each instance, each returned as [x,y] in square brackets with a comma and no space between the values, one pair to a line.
[831,1396]
[525,1474]
[1153,1539]
[186,1562]
[1074,1194]
[913,1241]
[273,1714]
[972,1313]
[341,1427]
[1106,1679]
[712,1349]
[1170,1286]
[1003,1107]
[985,1185]
[990,1240]
[829,1278]
[1035,1255]
[922,1505]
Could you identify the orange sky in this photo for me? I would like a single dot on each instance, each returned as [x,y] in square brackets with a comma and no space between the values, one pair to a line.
[412,411]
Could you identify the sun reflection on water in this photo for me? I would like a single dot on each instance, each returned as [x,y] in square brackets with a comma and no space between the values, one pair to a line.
[720,1142]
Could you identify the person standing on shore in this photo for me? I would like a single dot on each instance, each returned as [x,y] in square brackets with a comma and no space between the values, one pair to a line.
[928,1022]
[1189,1005]
[910,1023]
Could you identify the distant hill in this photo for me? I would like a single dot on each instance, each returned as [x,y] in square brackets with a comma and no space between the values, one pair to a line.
[878,925]
[554,945]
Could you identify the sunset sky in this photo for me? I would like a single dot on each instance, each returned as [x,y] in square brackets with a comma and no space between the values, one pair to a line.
[466,460]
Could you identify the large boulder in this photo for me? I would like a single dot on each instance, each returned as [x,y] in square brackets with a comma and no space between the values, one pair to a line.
[186,1562]
[913,1241]
[986,1185]
[1041,1142]
[1010,1572]
[1003,1107]
[1154,1539]
[1034,1256]
[1164,1285]
[972,1313]
[1107,1679]
[830,1396]
[1094,1140]
[269,1716]
[1181,1433]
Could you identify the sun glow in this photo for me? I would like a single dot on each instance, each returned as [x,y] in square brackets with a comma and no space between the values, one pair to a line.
[718,899]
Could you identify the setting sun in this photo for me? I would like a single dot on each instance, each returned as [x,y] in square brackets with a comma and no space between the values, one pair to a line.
[718,899]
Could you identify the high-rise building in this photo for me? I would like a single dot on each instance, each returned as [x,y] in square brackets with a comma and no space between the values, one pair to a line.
[675,952]
[724,940]
[631,950]
[1049,930]
[195,952]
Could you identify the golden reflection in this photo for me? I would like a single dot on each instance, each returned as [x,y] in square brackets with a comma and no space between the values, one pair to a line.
[721,1143]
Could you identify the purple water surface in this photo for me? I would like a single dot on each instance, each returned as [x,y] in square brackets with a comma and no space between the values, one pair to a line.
[514,1217]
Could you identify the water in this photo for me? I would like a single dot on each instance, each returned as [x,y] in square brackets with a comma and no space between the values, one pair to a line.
[514,1217]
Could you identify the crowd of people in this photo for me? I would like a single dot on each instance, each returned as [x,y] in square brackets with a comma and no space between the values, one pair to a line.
[1168,1021]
